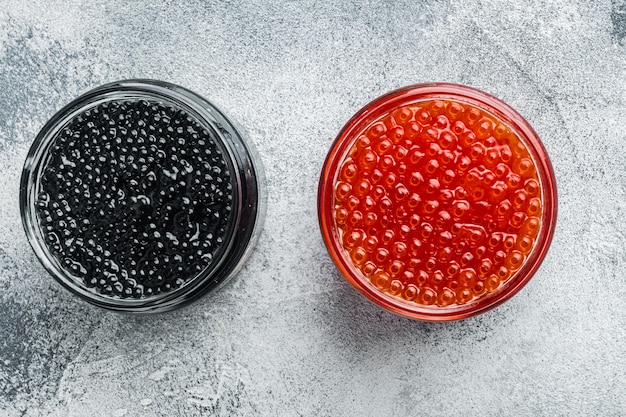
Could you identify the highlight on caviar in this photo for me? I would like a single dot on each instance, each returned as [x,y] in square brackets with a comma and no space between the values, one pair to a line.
[141,196]
[437,201]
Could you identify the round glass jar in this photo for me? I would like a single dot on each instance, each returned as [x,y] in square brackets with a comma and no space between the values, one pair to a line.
[141,196]
[437,201]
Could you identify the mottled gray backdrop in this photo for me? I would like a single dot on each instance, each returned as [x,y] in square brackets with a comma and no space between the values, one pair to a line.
[289,336]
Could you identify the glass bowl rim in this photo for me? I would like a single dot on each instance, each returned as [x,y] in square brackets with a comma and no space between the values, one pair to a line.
[386,103]
[235,150]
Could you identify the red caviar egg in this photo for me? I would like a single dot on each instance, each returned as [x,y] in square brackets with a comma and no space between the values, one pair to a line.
[454,221]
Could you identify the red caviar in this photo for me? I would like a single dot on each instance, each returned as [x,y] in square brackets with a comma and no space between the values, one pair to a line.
[437,201]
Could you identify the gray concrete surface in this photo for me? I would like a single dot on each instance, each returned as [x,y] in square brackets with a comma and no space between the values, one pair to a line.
[289,336]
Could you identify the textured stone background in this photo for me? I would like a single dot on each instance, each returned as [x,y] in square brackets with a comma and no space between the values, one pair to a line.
[289,336]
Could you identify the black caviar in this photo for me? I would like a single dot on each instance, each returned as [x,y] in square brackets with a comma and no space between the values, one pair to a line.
[135,198]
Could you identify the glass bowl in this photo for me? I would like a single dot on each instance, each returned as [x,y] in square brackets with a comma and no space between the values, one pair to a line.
[437,201]
[141,196]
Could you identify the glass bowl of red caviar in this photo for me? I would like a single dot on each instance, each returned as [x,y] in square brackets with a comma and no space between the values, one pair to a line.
[437,201]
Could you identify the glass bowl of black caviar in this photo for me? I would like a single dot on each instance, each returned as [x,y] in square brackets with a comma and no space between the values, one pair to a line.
[141,196]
